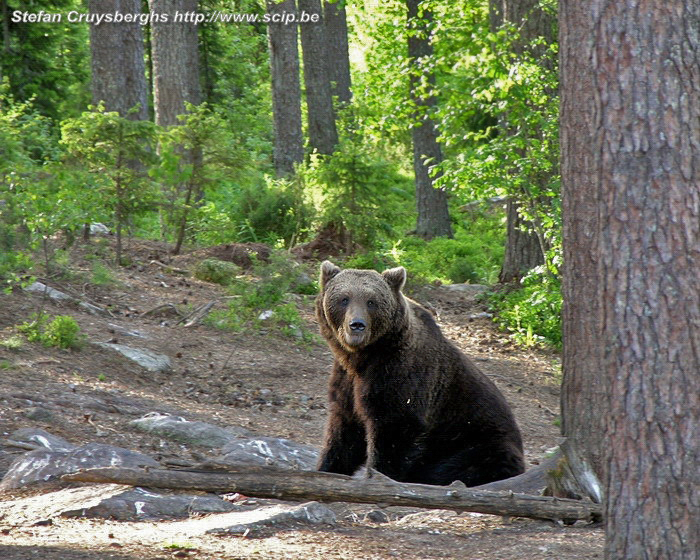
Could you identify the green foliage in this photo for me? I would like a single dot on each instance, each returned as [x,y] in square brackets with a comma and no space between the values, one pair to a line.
[102,275]
[13,342]
[216,271]
[62,331]
[360,194]
[473,256]
[115,150]
[47,61]
[531,313]
[267,299]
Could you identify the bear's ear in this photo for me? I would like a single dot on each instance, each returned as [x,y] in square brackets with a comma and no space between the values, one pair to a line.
[328,272]
[395,277]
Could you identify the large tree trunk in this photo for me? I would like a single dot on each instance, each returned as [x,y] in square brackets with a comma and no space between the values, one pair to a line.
[175,53]
[524,249]
[338,50]
[647,156]
[175,61]
[635,171]
[433,215]
[583,388]
[118,68]
[323,135]
[286,91]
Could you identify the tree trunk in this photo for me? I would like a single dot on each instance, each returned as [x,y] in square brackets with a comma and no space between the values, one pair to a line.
[175,55]
[267,482]
[323,136]
[175,61]
[338,50]
[433,214]
[647,157]
[286,91]
[118,69]
[524,249]
[583,386]
[631,128]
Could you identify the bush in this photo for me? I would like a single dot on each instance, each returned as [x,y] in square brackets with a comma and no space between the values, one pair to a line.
[62,332]
[267,299]
[531,313]
[216,271]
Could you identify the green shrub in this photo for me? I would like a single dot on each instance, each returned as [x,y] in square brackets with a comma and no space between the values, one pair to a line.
[62,332]
[216,271]
[531,313]
[272,290]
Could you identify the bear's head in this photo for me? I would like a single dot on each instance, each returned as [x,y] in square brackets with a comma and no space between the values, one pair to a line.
[358,307]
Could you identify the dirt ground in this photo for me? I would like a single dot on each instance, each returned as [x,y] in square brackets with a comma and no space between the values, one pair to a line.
[260,380]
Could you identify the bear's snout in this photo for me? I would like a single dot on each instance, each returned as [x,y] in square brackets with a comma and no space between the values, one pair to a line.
[357,325]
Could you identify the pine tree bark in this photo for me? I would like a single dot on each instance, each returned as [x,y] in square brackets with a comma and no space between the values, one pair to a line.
[338,50]
[433,214]
[583,386]
[323,135]
[175,61]
[175,55]
[117,61]
[286,90]
[631,71]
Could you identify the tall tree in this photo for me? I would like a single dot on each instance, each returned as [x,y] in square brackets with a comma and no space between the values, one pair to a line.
[286,90]
[118,68]
[524,249]
[338,50]
[175,55]
[323,135]
[433,215]
[635,168]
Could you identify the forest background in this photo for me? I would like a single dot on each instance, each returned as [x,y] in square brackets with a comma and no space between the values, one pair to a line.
[458,98]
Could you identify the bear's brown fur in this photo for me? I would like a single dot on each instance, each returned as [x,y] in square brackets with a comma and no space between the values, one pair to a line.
[403,399]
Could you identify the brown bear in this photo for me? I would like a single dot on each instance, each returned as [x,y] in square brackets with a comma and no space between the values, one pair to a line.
[403,399]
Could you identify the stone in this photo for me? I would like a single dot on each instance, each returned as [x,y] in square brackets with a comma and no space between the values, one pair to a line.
[43,438]
[40,288]
[277,517]
[139,504]
[268,451]
[467,289]
[147,359]
[181,430]
[42,465]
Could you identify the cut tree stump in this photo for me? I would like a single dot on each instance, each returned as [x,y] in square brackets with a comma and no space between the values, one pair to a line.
[265,482]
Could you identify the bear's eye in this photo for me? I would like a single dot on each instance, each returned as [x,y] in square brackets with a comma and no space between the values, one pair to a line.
[371,303]
[344,301]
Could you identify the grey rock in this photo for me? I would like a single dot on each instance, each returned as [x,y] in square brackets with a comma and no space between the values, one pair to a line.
[467,289]
[181,430]
[267,451]
[39,414]
[98,229]
[147,359]
[84,402]
[139,504]
[42,466]
[377,516]
[43,438]
[311,513]
[40,288]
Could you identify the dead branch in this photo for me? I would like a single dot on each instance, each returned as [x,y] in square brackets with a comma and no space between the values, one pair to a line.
[265,482]
[169,268]
[162,310]
[197,315]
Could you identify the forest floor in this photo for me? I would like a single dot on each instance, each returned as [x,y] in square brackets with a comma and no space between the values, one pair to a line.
[262,381]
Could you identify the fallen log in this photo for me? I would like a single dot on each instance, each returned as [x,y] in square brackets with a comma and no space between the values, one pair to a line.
[266,482]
